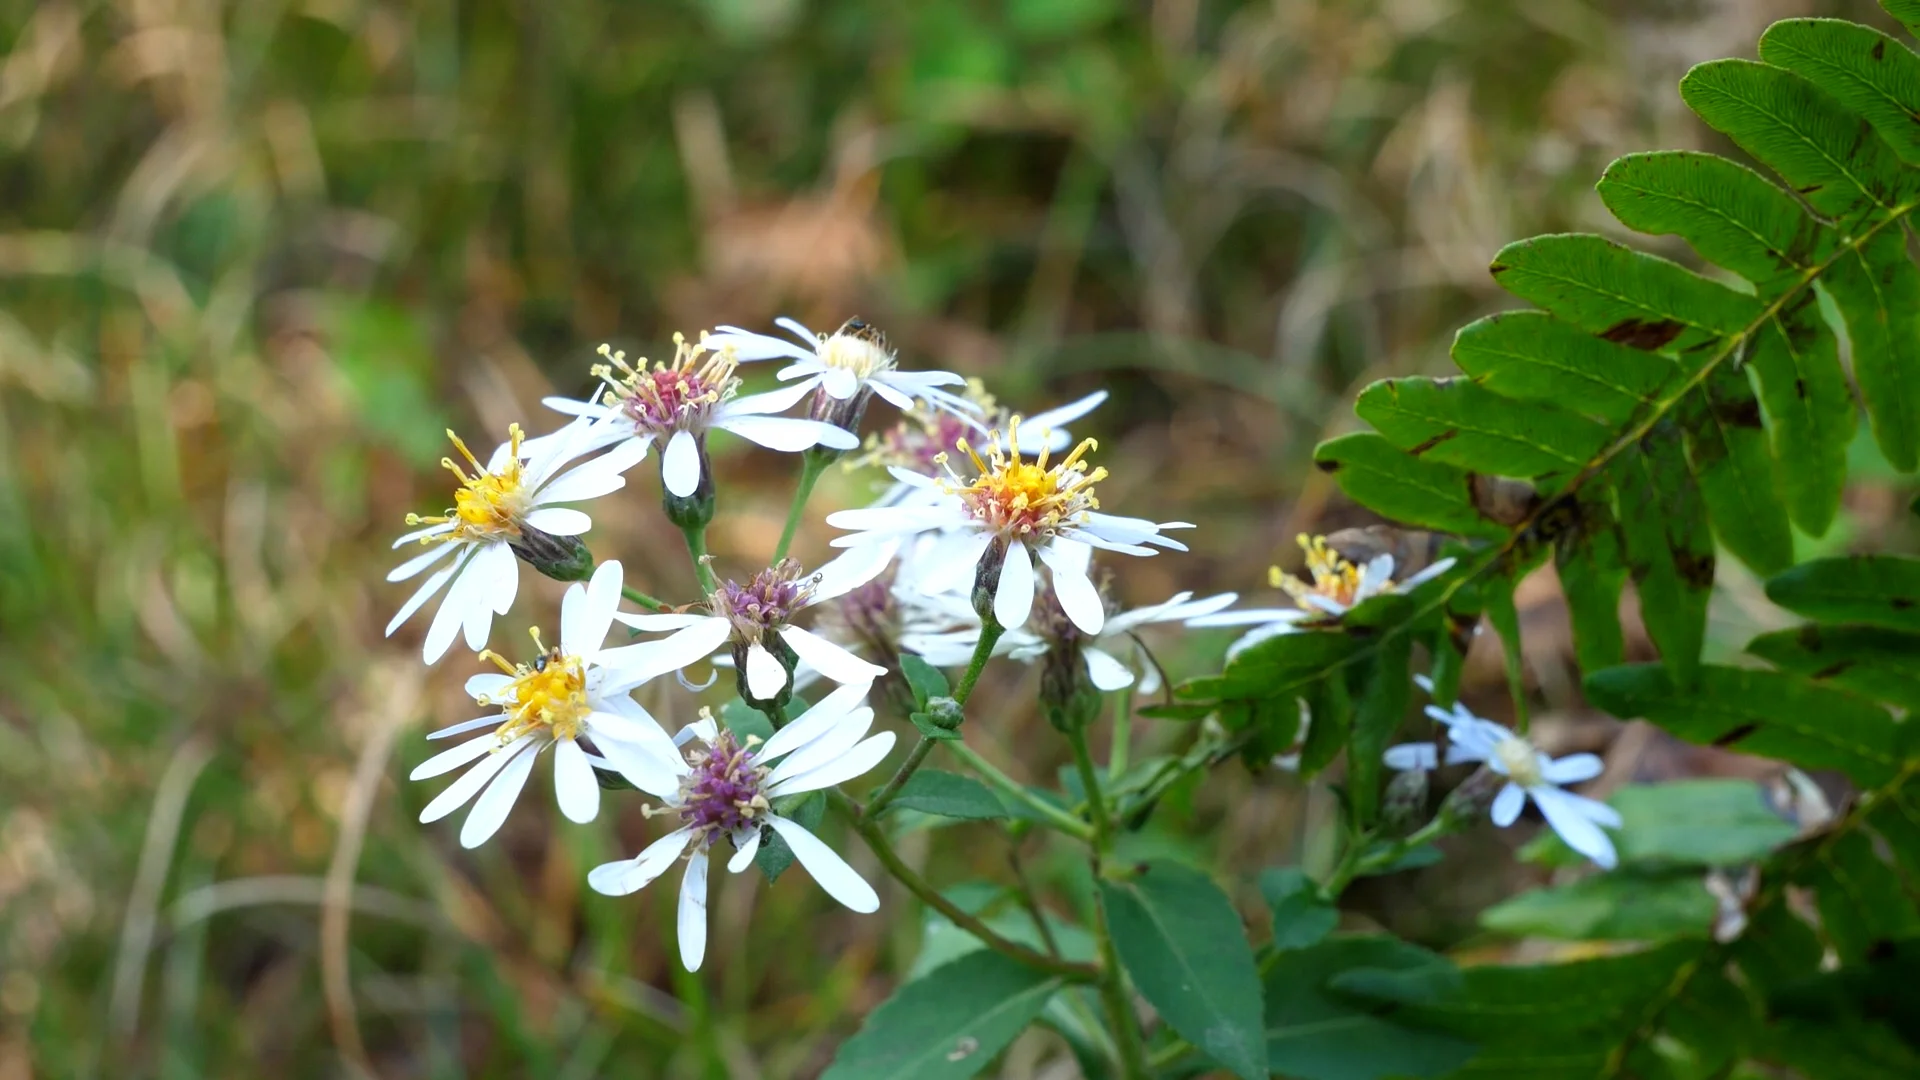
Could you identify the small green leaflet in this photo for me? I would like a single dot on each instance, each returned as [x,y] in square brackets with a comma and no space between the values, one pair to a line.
[1621,906]
[1414,491]
[932,791]
[1865,659]
[1300,917]
[948,1024]
[1878,590]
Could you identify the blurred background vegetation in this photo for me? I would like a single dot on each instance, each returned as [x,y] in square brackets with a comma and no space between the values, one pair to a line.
[256,256]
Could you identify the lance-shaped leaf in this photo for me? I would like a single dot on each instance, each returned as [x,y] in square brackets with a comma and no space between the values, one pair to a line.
[1624,906]
[1877,290]
[1867,660]
[1879,590]
[1815,145]
[948,1024]
[932,791]
[1768,713]
[1180,940]
[1266,667]
[1532,356]
[1329,718]
[1459,422]
[1669,552]
[1414,491]
[1638,300]
[1811,410]
[1861,68]
[1333,1011]
[1381,705]
[1863,903]
[1731,215]
[1907,11]
[1592,571]
[1727,447]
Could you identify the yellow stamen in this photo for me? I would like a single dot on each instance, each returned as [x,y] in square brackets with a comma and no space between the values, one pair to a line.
[487,505]
[549,694]
[1332,576]
[1022,498]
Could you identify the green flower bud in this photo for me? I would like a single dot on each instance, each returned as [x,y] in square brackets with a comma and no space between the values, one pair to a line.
[562,558]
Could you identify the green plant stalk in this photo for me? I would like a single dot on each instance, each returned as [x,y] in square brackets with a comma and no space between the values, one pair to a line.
[1122,734]
[876,839]
[1054,817]
[697,551]
[990,632]
[812,465]
[642,599]
[1112,982]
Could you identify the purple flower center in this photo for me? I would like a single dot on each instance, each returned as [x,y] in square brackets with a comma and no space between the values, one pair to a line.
[722,795]
[769,599]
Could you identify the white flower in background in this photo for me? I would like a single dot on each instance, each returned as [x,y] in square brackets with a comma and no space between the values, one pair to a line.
[843,364]
[1013,510]
[1530,775]
[1335,586]
[678,402]
[920,438]
[752,616]
[727,790]
[506,505]
[557,701]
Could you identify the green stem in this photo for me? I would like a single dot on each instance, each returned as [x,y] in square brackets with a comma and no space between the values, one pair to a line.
[982,652]
[642,599]
[990,632]
[1090,782]
[1112,982]
[1122,734]
[697,550]
[883,850]
[812,464]
[915,758]
[1053,817]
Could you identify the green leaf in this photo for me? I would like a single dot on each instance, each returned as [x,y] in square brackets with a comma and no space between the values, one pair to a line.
[928,726]
[1329,718]
[932,791]
[1799,132]
[923,678]
[1179,938]
[1620,906]
[745,721]
[1865,904]
[1320,1027]
[1797,359]
[1760,712]
[1705,822]
[1669,551]
[1878,292]
[947,1025]
[1459,422]
[1300,917]
[1380,708]
[1382,477]
[1867,660]
[1532,356]
[1727,447]
[1260,667]
[1638,300]
[1906,11]
[1861,68]
[1592,573]
[774,856]
[1731,215]
[1879,590]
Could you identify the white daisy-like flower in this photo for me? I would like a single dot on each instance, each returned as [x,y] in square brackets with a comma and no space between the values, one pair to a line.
[917,442]
[1530,775]
[1335,586]
[756,618]
[560,699]
[504,508]
[844,364]
[678,402]
[727,789]
[1013,510]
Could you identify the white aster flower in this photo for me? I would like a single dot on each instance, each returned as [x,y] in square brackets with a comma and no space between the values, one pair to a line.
[561,698]
[680,401]
[1530,775]
[1336,586]
[727,790]
[757,618]
[920,438]
[504,507]
[844,365]
[1013,510]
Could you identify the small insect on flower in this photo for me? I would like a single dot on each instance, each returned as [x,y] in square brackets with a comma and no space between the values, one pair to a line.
[1000,515]
[503,511]
[560,700]
[726,790]
[847,365]
[1333,586]
[680,400]
[1529,774]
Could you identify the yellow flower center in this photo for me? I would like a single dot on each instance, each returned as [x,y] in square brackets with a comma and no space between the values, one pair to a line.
[1333,577]
[487,505]
[550,694]
[1521,761]
[856,347]
[1015,497]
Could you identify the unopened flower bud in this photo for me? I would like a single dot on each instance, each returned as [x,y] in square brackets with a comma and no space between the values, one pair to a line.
[1068,697]
[696,510]
[1468,803]
[986,578]
[945,712]
[562,558]
[1405,806]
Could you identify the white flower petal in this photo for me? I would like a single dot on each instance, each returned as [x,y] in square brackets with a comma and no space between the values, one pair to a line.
[1250,617]
[1325,603]
[631,875]
[773,401]
[487,684]
[824,716]
[1106,672]
[1568,815]
[855,762]
[766,676]
[571,407]
[560,521]
[1078,596]
[448,760]
[789,434]
[421,534]
[880,385]
[827,658]
[827,868]
[421,595]
[584,623]
[413,566]
[839,383]
[654,771]
[600,476]
[1572,769]
[1051,419]
[1508,804]
[743,855]
[490,809]
[853,568]
[462,789]
[574,786]
[453,610]
[693,912]
[1013,600]
[822,748]
[1375,576]
[748,346]
[680,464]
[448,732]
[666,620]
[950,566]
[1427,575]
[630,665]
[1421,755]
